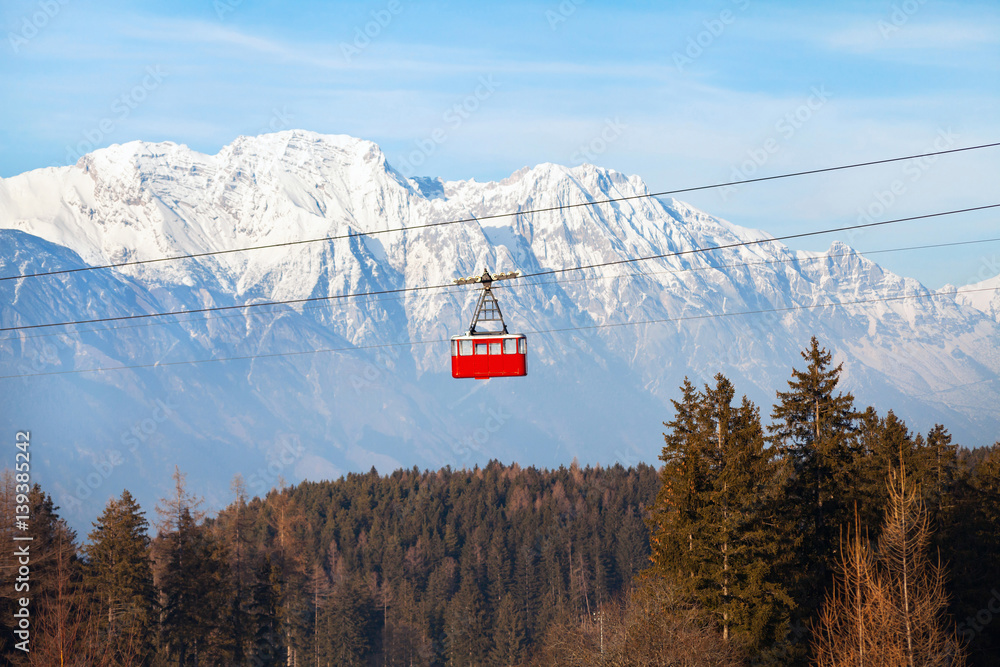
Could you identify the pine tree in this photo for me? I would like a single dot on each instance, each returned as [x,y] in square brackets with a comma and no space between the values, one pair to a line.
[262,616]
[676,515]
[348,625]
[191,578]
[941,476]
[234,525]
[508,634]
[713,515]
[120,575]
[814,430]
[466,625]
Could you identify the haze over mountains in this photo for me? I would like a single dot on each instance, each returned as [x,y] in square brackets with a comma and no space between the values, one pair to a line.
[607,348]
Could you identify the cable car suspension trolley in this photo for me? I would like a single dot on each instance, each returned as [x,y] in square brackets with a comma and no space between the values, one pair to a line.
[488,350]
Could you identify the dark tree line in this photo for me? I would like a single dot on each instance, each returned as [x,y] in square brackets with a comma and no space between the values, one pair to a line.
[467,567]
[753,543]
[751,521]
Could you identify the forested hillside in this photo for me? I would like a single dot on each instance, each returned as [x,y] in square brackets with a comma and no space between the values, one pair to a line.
[824,532]
[410,568]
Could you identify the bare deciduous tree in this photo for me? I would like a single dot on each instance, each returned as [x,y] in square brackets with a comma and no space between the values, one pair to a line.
[889,608]
[652,626]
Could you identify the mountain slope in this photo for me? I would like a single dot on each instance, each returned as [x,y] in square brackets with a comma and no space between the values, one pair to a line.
[983,296]
[608,347]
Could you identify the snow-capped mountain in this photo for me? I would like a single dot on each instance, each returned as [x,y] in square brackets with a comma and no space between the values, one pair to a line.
[983,296]
[607,348]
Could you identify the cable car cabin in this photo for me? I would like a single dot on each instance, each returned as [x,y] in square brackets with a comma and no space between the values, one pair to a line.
[488,350]
[483,356]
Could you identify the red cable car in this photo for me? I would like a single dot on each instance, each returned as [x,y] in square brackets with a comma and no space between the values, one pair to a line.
[488,352]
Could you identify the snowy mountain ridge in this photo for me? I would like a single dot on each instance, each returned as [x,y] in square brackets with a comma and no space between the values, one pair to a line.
[598,389]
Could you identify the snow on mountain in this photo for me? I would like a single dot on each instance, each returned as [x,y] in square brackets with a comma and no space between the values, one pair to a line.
[598,391]
[983,296]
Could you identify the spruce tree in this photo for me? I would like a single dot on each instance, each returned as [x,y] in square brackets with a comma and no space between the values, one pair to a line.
[973,551]
[349,625]
[508,634]
[467,637]
[675,517]
[120,576]
[941,476]
[191,577]
[886,443]
[712,523]
[814,431]
[262,616]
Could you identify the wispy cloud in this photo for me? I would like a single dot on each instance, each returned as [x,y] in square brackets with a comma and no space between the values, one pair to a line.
[885,36]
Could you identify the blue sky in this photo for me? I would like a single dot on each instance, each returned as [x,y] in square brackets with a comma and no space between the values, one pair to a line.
[682,94]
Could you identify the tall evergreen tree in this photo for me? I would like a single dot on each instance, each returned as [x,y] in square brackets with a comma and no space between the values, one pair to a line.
[193,586]
[886,443]
[508,634]
[349,625]
[262,616]
[467,634]
[120,575]
[814,430]
[676,515]
[941,477]
[972,549]
[713,515]
[234,526]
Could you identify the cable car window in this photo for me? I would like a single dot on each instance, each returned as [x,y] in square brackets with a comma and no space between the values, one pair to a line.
[465,348]
[523,344]
[495,348]
[480,348]
[510,346]
[454,348]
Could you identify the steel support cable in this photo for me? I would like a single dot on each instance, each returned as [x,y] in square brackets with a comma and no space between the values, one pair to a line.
[418,288]
[462,290]
[547,209]
[831,304]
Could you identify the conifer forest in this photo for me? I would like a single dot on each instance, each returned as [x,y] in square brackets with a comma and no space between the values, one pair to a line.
[812,532]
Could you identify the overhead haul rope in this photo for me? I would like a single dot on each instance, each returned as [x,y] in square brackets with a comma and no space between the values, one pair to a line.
[494,216]
[460,289]
[527,275]
[539,331]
